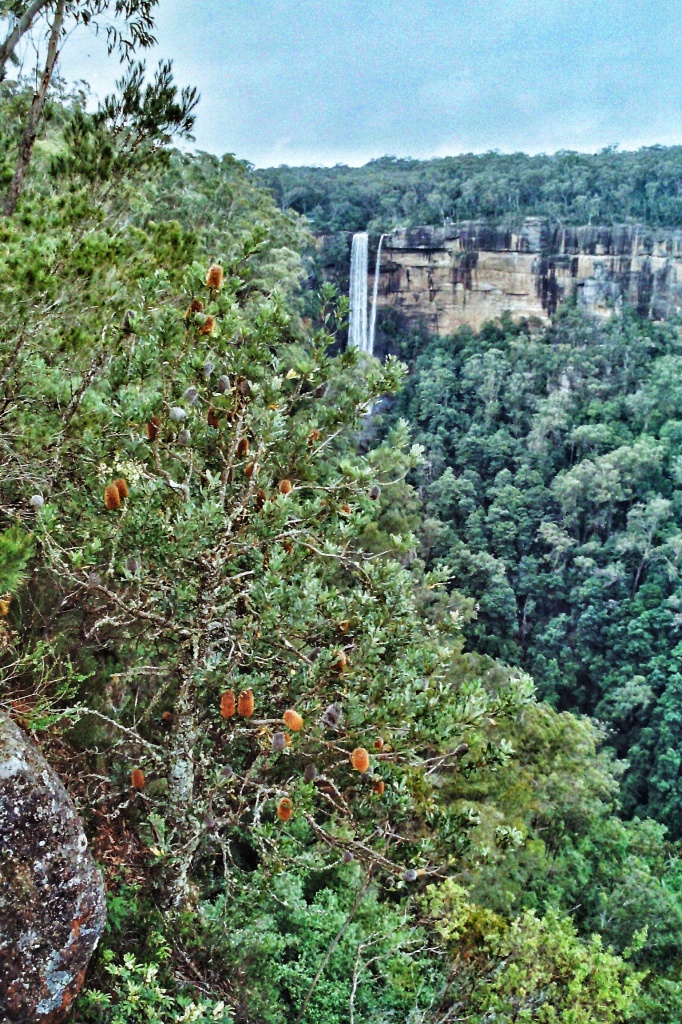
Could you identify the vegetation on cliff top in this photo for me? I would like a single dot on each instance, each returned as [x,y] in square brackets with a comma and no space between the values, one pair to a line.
[642,187]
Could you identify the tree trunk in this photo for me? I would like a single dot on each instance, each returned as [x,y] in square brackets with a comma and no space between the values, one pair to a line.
[30,134]
[14,37]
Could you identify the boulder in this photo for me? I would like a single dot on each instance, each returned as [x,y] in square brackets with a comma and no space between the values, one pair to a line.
[52,907]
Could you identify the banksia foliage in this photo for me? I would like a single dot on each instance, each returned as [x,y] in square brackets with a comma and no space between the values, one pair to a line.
[208,326]
[243,447]
[112,499]
[285,486]
[153,428]
[137,779]
[214,278]
[228,704]
[122,488]
[293,720]
[245,704]
[360,759]
[285,809]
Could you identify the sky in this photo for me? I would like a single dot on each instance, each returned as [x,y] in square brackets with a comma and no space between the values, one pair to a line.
[345,81]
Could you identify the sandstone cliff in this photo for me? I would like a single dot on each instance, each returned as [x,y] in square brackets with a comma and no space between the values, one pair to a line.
[469,273]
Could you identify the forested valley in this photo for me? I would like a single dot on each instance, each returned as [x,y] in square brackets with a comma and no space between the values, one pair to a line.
[368,718]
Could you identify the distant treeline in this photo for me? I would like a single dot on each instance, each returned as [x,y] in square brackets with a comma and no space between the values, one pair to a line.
[571,188]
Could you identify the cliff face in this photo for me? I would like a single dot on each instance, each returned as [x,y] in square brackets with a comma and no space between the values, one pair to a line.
[471,272]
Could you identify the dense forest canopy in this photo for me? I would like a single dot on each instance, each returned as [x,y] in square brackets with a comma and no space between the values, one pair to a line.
[279,652]
[568,188]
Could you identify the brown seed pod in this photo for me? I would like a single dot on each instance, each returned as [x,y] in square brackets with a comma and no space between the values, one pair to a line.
[227,704]
[360,759]
[196,306]
[208,326]
[310,773]
[243,447]
[293,720]
[245,704]
[379,786]
[213,418]
[122,488]
[153,428]
[279,741]
[345,509]
[250,470]
[112,499]
[332,715]
[314,436]
[285,809]
[214,278]
[285,486]
[137,779]
[379,743]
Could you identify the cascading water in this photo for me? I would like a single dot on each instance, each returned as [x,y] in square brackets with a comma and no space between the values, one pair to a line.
[375,293]
[359,259]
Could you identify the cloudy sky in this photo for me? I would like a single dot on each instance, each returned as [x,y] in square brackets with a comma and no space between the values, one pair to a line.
[329,81]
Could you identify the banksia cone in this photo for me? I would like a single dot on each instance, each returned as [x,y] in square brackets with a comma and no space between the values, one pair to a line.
[360,759]
[4,606]
[214,278]
[310,773]
[348,857]
[37,501]
[228,704]
[213,418]
[285,486]
[345,508]
[461,750]
[243,447]
[261,498]
[410,875]
[196,306]
[122,488]
[245,703]
[153,428]
[314,436]
[379,744]
[375,492]
[250,470]
[223,383]
[288,546]
[279,741]
[285,809]
[137,778]
[379,786]
[344,626]
[293,720]
[112,499]
[208,326]
[341,661]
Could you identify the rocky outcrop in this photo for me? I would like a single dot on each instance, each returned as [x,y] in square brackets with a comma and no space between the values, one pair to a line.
[52,908]
[469,273]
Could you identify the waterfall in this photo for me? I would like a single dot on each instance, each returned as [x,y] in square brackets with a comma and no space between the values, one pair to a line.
[375,292]
[359,259]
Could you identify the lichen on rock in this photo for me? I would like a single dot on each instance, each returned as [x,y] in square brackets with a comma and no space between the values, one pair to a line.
[52,906]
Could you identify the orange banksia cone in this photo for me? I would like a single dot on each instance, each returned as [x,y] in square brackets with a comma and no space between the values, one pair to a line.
[360,759]
[245,704]
[293,720]
[228,704]
[285,809]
